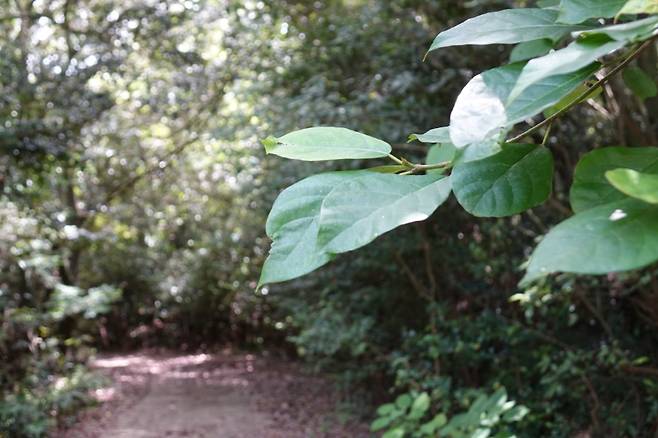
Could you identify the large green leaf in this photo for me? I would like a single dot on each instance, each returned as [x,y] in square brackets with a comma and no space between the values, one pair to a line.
[482,110]
[574,57]
[530,49]
[436,135]
[633,31]
[514,180]
[358,211]
[546,93]
[590,187]
[326,143]
[614,237]
[643,186]
[509,26]
[577,11]
[293,227]
[640,7]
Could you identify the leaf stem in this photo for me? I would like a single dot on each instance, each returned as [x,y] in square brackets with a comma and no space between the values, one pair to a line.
[412,168]
[417,168]
[396,159]
[441,165]
[547,133]
[634,54]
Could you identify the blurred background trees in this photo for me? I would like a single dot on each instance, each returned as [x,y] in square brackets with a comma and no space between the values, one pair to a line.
[134,193]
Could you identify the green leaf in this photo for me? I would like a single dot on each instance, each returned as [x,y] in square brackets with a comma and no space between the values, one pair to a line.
[640,7]
[514,180]
[574,57]
[358,211]
[643,186]
[577,11]
[571,97]
[380,423]
[477,151]
[436,135]
[614,237]
[440,154]
[517,413]
[293,226]
[530,49]
[398,432]
[433,425]
[390,168]
[546,93]
[403,401]
[385,409]
[633,31]
[326,143]
[420,406]
[590,187]
[509,26]
[482,110]
[640,83]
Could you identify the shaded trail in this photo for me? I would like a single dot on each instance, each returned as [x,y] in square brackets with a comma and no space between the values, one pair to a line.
[223,395]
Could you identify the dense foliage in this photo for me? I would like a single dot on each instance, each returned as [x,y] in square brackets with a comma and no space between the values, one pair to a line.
[134,195]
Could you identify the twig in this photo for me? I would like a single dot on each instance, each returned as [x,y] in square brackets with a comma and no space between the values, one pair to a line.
[597,315]
[646,371]
[422,291]
[595,402]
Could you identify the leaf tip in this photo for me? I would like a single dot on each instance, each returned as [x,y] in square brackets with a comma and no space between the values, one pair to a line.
[262,280]
[531,276]
[269,143]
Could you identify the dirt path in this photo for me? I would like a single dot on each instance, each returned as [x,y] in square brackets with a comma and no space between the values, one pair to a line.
[223,395]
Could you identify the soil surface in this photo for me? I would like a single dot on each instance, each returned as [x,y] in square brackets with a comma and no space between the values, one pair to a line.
[224,395]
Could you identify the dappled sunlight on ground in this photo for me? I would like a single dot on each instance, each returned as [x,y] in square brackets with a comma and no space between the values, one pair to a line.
[211,395]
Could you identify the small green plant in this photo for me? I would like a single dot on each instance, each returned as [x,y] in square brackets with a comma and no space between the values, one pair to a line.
[405,416]
[35,408]
[488,415]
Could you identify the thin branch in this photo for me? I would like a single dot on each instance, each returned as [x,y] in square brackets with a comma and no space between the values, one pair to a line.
[595,402]
[547,134]
[581,295]
[422,291]
[645,371]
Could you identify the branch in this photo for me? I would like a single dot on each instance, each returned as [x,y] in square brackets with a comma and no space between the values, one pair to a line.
[415,282]
[646,371]
[606,328]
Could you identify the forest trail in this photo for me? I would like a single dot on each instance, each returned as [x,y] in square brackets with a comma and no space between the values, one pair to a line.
[224,395]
